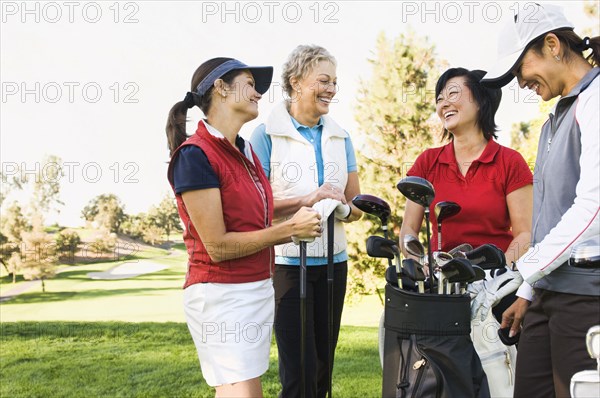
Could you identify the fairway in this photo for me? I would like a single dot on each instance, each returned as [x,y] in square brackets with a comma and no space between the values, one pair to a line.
[128,337]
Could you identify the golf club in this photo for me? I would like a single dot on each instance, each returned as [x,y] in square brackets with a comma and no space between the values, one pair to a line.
[414,247]
[330,277]
[377,207]
[414,272]
[302,318]
[461,250]
[379,247]
[455,270]
[487,256]
[443,211]
[420,191]
[479,275]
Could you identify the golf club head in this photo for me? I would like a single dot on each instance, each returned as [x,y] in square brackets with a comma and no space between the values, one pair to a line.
[391,277]
[479,274]
[413,270]
[373,205]
[458,270]
[460,250]
[586,254]
[417,189]
[445,210]
[379,247]
[487,256]
[441,258]
[413,246]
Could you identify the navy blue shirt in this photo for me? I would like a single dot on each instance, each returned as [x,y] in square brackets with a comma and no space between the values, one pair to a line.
[192,170]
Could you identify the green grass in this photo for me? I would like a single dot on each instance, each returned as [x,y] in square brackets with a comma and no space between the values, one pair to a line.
[113,359]
[128,338]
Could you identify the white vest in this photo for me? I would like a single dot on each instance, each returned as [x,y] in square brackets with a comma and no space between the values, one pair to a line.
[294,171]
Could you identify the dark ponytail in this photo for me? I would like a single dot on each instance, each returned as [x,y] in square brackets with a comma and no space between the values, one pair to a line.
[573,44]
[177,119]
[594,45]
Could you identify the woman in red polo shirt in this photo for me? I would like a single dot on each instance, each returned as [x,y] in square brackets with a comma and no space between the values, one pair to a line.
[491,183]
[226,205]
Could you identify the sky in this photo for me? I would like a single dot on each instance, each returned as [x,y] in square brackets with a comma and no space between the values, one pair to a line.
[93,82]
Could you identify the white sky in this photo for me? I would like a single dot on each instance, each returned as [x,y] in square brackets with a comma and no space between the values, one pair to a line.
[55,56]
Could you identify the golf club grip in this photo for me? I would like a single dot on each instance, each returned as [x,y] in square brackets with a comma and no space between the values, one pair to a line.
[429,256]
[385,235]
[330,242]
[302,270]
[302,319]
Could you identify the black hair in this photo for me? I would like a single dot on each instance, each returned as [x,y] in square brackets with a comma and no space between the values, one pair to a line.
[488,99]
[175,129]
[573,45]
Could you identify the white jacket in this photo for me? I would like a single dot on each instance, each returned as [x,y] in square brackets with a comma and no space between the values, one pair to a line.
[294,171]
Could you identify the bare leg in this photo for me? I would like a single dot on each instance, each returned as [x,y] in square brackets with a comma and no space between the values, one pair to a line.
[247,388]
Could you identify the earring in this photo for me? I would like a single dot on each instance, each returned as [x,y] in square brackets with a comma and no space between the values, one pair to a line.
[557,58]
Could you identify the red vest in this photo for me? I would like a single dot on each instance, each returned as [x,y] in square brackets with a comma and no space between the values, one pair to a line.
[244,209]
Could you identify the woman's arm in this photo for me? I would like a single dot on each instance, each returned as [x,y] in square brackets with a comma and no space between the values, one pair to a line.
[206,212]
[411,223]
[285,207]
[520,208]
[352,189]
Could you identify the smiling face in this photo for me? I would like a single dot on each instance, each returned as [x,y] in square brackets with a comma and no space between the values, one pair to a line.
[456,107]
[242,97]
[538,72]
[314,93]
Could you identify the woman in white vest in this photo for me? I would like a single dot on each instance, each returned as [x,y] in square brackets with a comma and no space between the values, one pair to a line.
[307,157]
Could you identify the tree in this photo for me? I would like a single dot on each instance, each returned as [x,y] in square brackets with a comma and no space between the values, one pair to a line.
[12,227]
[107,210]
[39,259]
[524,136]
[396,118]
[46,186]
[10,183]
[165,215]
[67,243]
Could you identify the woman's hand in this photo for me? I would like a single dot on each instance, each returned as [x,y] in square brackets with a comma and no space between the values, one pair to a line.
[513,316]
[306,223]
[325,191]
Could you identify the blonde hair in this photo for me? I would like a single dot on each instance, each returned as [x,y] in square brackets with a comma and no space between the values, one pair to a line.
[301,62]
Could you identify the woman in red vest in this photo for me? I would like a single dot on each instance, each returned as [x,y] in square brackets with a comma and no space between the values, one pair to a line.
[226,204]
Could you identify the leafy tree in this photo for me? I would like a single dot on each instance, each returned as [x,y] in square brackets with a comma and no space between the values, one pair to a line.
[165,216]
[107,210]
[133,225]
[396,118]
[525,136]
[12,226]
[39,259]
[67,243]
[46,185]
[9,183]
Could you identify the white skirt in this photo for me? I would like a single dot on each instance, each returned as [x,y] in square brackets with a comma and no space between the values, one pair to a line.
[231,324]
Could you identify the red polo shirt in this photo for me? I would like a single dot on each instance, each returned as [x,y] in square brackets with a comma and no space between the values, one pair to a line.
[484,216]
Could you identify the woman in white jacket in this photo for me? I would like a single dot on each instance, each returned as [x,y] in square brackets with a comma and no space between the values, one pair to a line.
[307,157]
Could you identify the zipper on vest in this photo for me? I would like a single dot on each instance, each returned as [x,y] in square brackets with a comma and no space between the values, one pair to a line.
[552,119]
[263,196]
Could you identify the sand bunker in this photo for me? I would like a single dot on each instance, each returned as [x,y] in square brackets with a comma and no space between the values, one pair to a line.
[128,270]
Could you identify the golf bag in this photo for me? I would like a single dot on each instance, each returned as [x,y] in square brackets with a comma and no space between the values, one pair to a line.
[428,351]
